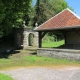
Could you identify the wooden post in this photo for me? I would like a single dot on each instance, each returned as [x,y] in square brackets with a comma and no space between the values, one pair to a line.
[40,39]
[41,35]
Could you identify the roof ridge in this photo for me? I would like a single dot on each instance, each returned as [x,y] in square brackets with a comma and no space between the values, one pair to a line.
[49,19]
[73,13]
[57,15]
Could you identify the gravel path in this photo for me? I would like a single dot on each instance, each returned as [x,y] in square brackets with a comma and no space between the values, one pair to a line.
[41,73]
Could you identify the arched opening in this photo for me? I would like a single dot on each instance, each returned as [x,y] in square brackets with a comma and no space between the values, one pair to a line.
[31,39]
[53,40]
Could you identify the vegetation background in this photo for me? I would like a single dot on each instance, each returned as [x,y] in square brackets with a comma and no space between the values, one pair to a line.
[14,12]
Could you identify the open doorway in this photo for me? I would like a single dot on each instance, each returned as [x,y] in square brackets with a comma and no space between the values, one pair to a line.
[31,39]
[53,40]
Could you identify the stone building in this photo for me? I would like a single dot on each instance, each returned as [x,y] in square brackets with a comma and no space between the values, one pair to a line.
[23,37]
[65,22]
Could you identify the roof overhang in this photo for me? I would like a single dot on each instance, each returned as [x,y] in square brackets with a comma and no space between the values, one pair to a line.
[66,19]
[62,28]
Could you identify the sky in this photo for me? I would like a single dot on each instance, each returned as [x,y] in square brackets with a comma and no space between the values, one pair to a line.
[75,4]
[34,2]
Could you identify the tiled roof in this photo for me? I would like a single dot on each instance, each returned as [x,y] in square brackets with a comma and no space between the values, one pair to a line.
[63,20]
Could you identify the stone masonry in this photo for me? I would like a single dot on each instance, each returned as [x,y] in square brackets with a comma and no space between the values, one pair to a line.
[73,37]
[60,53]
[22,37]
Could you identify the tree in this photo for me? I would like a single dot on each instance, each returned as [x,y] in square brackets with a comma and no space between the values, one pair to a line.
[46,9]
[13,13]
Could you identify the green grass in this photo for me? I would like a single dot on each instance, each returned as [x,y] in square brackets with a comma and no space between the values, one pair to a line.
[37,60]
[5,77]
[24,58]
[52,44]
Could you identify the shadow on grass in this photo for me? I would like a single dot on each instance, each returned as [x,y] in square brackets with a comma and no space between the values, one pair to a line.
[34,53]
[7,53]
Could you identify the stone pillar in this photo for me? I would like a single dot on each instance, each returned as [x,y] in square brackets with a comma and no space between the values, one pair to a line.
[25,40]
[25,44]
[36,39]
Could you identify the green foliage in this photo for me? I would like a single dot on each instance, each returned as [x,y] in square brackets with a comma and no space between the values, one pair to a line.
[1,34]
[13,13]
[53,40]
[46,9]
[48,38]
[31,39]
[53,44]
[5,77]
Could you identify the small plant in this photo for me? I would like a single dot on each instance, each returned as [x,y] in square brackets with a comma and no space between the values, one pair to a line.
[5,77]
[31,58]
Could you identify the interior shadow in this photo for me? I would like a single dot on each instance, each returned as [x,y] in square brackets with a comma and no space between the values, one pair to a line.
[69,46]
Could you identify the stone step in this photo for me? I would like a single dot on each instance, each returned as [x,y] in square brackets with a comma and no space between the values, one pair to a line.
[32,48]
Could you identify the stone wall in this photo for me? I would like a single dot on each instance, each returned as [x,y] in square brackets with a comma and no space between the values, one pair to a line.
[18,36]
[22,37]
[60,53]
[73,38]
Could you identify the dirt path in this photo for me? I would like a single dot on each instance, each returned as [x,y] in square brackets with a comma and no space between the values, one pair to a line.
[44,73]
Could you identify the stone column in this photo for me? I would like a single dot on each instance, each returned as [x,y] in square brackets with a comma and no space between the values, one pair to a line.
[25,40]
[36,39]
[25,43]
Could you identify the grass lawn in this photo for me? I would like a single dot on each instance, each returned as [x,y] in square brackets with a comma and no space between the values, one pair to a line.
[25,59]
[5,77]
[52,44]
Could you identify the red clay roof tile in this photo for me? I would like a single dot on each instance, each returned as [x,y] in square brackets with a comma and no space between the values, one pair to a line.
[64,19]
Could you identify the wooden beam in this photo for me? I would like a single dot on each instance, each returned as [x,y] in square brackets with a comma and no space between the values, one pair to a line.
[41,35]
[40,39]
